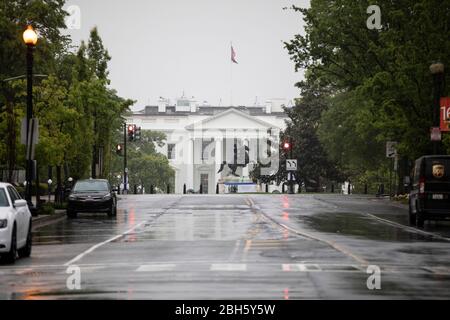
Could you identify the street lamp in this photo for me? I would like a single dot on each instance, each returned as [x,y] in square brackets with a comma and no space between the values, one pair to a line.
[437,70]
[49,182]
[30,38]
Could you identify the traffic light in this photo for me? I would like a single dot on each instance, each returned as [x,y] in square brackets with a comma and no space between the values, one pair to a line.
[119,149]
[137,133]
[287,146]
[131,130]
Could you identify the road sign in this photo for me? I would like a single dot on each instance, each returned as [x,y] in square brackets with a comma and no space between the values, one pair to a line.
[445,114]
[23,130]
[391,149]
[33,136]
[435,134]
[291,165]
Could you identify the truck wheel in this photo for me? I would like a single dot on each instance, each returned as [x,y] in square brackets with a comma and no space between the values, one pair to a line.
[419,220]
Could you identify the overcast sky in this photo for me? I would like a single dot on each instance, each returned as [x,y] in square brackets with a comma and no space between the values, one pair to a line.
[165,47]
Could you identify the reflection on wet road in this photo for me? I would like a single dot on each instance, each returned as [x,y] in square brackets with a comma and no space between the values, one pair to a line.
[236,247]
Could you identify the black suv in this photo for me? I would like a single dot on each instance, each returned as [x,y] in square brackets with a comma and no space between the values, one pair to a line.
[93,195]
[429,198]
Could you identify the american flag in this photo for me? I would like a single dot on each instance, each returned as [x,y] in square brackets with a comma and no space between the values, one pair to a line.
[233,55]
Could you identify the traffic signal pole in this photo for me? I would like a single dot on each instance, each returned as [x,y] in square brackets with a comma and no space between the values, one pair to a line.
[125,169]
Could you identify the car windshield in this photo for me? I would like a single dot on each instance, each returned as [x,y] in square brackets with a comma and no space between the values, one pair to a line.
[94,186]
[3,198]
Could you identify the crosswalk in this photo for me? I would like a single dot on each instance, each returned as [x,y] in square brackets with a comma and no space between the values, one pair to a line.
[224,267]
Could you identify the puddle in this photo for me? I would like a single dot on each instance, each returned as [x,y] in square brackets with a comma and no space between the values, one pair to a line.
[360,226]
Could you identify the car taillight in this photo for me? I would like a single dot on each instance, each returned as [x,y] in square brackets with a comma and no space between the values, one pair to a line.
[422,185]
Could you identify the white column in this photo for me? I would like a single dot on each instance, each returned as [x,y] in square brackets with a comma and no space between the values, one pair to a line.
[190,165]
[218,159]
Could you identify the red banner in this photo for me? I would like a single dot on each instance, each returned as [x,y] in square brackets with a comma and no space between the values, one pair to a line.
[445,114]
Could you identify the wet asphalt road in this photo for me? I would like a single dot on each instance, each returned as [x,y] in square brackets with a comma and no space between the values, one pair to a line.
[236,247]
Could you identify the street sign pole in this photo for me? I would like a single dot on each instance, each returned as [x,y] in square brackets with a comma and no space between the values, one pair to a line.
[291,181]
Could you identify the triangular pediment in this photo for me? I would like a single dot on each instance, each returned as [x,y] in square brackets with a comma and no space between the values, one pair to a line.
[230,119]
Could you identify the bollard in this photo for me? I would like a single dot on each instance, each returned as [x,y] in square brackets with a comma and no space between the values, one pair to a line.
[168,188]
[184,188]
[267,188]
[217,188]
[283,188]
[135,189]
[332,188]
[201,189]
[349,188]
[118,189]
[151,189]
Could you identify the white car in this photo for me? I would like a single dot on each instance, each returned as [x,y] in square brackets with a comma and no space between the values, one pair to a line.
[15,224]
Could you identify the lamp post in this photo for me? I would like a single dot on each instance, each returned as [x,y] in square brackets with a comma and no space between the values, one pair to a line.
[49,182]
[437,70]
[30,38]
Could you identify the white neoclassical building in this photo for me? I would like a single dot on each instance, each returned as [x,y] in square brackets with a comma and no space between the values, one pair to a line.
[201,137]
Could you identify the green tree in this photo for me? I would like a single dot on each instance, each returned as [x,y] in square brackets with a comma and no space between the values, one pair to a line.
[387,69]
[47,17]
[146,166]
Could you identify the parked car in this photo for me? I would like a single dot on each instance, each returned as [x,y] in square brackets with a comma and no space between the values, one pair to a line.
[15,224]
[92,195]
[429,198]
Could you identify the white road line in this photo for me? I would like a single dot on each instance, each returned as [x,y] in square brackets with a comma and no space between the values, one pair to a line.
[235,250]
[331,243]
[407,228]
[156,267]
[228,267]
[98,245]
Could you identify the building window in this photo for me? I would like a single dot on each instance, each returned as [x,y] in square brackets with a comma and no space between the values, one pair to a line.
[171,151]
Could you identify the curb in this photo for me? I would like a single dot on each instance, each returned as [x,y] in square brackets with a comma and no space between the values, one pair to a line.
[44,220]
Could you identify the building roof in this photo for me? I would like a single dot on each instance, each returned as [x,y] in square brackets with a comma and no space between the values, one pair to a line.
[235,111]
[208,110]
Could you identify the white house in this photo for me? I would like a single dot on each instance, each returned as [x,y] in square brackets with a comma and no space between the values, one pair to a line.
[201,137]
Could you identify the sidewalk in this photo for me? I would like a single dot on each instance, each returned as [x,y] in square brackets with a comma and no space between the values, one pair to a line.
[44,220]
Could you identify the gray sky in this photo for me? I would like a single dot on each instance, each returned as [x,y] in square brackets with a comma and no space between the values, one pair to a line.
[165,47]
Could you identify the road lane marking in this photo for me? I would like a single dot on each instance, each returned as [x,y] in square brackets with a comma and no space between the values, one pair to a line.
[156,267]
[407,228]
[98,245]
[393,223]
[228,267]
[235,250]
[332,244]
